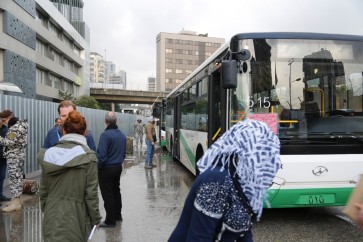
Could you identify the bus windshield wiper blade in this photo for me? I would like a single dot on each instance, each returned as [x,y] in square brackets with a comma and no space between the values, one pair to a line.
[305,141]
[340,135]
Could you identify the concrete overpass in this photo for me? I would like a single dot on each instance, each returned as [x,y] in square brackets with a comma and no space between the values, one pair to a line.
[126,96]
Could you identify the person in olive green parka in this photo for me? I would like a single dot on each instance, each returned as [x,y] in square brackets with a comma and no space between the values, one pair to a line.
[69,185]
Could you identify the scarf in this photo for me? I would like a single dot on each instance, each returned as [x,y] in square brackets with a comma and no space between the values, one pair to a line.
[252,151]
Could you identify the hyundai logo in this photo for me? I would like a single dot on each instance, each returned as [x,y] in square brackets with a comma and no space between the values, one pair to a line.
[320,171]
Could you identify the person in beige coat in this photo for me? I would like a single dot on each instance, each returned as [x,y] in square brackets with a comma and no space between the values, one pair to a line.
[150,143]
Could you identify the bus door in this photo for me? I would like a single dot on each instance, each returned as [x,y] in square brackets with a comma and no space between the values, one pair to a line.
[175,149]
[217,108]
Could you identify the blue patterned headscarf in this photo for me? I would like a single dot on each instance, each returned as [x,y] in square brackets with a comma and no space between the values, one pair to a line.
[253,151]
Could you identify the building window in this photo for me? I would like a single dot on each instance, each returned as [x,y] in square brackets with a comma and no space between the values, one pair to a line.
[208,44]
[170,41]
[178,80]
[217,45]
[207,54]
[178,71]
[168,80]
[40,47]
[168,51]
[197,53]
[188,72]
[168,60]
[178,61]
[178,51]
[168,70]
[190,62]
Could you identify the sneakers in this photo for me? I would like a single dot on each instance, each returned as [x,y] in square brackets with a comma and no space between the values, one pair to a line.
[153,165]
[148,167]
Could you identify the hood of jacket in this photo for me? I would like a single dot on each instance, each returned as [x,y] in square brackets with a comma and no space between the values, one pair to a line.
[70,152]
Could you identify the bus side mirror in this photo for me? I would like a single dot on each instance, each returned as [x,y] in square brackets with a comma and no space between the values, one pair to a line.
[229,74]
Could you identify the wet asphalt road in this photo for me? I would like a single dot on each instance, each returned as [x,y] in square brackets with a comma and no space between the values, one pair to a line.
[152,203]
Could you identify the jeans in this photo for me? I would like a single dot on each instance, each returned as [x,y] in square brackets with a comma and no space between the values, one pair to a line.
[2,175]
[149,153]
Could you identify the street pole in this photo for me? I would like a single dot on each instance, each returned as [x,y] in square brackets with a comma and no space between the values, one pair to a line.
[289,63]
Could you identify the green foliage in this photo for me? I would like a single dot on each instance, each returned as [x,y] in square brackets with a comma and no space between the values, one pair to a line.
[65,95]
[87,102]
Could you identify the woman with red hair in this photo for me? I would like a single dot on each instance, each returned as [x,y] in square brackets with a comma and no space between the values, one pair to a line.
[69,184]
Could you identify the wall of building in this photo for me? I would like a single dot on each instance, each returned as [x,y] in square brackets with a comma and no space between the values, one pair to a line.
[41,51]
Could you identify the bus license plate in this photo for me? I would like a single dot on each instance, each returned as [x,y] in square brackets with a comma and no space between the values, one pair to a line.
[316,199]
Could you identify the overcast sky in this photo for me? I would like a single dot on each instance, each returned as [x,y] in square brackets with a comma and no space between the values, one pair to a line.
[127,29]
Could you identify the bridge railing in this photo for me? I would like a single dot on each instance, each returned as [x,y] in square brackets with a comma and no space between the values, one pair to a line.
[107,85]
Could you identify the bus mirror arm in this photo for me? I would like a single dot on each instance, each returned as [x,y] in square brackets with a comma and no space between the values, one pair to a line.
[229,74]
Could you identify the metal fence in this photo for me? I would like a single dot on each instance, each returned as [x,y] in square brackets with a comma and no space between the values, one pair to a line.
[41,115]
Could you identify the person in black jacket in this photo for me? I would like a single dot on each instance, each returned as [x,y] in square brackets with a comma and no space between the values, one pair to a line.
[111,153]
[3,130]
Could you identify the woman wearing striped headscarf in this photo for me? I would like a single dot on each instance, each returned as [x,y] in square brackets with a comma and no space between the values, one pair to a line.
[235,173]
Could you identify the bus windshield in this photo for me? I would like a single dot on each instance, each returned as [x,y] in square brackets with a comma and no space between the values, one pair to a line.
[313,86]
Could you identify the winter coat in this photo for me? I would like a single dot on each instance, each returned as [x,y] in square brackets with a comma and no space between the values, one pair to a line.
[16,140]
[69,190]
[112,147]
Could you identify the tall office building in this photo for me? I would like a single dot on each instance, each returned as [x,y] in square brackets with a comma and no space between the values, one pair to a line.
[177,55]
[151,84]
[118,78]
[41,51]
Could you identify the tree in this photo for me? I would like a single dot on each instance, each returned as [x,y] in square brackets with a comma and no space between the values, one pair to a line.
[65,95]
[87,102]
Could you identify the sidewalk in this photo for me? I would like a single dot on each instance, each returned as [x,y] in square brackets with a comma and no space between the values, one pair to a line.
[152,202]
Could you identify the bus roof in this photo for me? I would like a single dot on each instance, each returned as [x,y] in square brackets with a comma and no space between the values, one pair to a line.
[293,35]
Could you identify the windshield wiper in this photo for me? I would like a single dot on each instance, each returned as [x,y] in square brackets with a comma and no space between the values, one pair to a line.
[339,135]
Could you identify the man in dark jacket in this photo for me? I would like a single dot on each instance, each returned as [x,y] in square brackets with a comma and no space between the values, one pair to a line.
[3,130]
[55,133]
[111,153]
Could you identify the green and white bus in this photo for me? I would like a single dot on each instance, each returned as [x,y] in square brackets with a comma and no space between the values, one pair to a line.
[307,86]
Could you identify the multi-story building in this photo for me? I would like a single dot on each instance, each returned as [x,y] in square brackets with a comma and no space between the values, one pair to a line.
[41,51]
[97,68]
[151,84]
[177,55]
[118,78]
